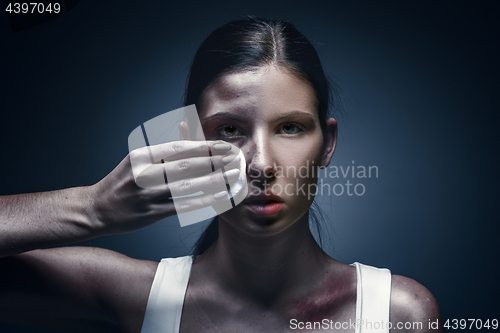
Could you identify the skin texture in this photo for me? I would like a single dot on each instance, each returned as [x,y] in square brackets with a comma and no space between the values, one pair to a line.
[263,270]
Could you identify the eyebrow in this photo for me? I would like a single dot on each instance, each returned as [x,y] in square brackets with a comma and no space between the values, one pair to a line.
[228,115]
[292,114]
[235,117]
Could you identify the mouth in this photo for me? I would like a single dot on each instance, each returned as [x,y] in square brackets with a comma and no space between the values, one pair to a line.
[264,204]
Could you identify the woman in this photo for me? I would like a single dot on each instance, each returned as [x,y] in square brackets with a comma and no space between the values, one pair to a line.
[259,86]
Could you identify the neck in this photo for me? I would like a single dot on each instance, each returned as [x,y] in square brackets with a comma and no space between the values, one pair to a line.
[265,268]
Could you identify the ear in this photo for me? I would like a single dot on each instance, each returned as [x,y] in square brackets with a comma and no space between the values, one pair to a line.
[330,142]
[184,131]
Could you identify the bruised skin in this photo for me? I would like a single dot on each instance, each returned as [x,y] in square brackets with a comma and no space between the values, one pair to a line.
[335,299]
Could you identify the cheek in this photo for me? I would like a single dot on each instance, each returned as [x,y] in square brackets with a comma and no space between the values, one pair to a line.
[301,153]
[299,170]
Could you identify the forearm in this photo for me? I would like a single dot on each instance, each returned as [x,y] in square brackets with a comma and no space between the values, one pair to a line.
[114,205]
[46,219]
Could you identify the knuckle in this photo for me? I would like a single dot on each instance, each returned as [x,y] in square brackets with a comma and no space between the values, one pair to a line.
[203,149]
[185,185]
[177,147]
[184,165]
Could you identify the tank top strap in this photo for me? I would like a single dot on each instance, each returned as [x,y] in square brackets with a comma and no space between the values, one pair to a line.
[373,299]
[166,298]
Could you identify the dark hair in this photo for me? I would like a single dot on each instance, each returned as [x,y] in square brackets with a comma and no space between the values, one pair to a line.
[248,44]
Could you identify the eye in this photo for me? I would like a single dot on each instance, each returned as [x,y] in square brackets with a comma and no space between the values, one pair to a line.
[291,128]
[228,131]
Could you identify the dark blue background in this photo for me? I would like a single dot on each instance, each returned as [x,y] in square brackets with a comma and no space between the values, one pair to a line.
[419,82]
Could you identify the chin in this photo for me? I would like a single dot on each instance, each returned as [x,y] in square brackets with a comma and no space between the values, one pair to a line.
[246,220]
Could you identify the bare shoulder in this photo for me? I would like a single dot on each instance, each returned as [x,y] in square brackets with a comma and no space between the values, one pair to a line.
[411,304]
[100,268]
[121,283]
[98,287]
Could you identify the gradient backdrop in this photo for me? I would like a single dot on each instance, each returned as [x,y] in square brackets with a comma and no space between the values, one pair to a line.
[419,84]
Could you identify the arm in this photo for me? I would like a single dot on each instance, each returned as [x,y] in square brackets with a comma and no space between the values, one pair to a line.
[116,204]
[412,304]
[79,289]
[39,220]
[75,289]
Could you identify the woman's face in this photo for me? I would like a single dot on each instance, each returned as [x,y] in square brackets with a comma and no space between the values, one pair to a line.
[271,115]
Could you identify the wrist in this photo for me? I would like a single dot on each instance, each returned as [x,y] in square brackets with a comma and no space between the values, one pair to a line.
[91,220]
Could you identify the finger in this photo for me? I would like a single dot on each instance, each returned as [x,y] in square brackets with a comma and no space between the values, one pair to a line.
[214,182]
[147,176]
[155,176]
[189,204]
[179,150]
[198,166]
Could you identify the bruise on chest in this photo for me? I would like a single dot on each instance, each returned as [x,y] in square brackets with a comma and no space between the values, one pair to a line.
[331,300]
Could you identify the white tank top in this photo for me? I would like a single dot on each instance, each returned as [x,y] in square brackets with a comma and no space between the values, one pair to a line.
[166,298]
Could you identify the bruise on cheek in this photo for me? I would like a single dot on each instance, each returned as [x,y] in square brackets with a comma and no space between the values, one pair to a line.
[326,302]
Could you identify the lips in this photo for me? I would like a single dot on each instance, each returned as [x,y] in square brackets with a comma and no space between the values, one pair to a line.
[264,204]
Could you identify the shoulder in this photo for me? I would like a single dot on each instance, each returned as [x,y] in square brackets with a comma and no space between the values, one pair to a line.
[412,303]
[107,281]
[121,283]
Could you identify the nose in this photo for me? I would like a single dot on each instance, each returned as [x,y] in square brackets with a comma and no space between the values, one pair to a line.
[261,166]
